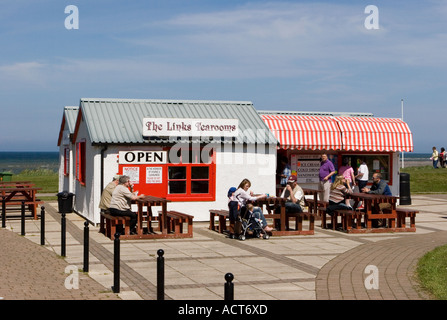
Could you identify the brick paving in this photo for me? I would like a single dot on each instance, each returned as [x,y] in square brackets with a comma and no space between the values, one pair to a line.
[329,265]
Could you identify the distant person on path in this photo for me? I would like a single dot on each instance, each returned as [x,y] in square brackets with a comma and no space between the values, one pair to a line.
[327,170]
[435,157]
[442,158]
[106,195]
[120,204]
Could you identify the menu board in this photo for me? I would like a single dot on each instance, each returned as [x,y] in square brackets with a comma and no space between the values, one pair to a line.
[306,167]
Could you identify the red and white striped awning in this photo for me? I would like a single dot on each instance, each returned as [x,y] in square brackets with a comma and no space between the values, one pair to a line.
[304,132]
[375,134]
[340,133]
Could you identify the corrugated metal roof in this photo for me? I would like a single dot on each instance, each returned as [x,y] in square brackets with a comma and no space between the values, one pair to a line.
[120,121]
[71,113]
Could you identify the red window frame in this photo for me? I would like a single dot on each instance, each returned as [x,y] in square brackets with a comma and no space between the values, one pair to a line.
[80,162]
[162,189]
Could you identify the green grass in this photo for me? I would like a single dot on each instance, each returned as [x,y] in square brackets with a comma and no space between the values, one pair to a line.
[427,179]
[46,179]
[432,272]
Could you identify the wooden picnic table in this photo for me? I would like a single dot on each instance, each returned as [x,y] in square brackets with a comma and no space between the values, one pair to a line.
[18,194]
[148,202]
[281,219]
[371,211]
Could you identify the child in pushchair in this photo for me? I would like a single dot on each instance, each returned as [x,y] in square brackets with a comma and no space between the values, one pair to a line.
[249,222]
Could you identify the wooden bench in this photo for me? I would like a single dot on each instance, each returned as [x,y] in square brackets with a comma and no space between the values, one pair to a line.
[347,217]
[222,215]
[317,210]
[299,217]
[108,225]
[176,220]
[402,214]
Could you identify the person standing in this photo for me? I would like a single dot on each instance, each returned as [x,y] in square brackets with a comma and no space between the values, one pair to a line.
[348,173]
[286,172]
[362,175]
[442,158]
[434,157]
[327,170]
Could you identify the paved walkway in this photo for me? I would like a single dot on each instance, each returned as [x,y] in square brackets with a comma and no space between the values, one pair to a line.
[327,265]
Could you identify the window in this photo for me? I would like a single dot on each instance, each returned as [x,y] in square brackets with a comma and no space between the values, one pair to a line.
[189,174]
[80,162]
[377,163]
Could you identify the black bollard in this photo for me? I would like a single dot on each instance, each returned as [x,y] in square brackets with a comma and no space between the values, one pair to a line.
[116,264]
[160,275]
[42,226]
[23,219]
[86,246]
[3,212]
[63,228]
[229,287]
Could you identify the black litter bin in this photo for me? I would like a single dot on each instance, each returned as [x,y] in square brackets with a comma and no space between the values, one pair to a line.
[65,201]
[404,195]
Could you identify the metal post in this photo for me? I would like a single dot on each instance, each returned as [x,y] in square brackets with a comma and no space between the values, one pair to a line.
[116,264]
[86,246]
[160,275]
[23,219]
[42,226]
[63,228]
[229,287]
[3,212]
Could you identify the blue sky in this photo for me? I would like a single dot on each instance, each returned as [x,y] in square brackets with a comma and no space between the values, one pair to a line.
[281,55]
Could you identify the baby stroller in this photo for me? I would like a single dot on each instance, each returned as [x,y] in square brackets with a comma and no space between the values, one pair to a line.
[250,223]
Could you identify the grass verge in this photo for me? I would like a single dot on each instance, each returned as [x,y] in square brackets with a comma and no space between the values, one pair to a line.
[426,179]
[432,272]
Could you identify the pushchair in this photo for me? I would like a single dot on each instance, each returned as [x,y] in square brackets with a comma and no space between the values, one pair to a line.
[250,223]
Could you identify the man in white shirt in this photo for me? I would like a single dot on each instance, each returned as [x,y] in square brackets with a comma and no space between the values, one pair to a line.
[294,196]
[362,175]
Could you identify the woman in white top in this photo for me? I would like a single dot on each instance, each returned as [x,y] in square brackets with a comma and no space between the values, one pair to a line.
[242,195]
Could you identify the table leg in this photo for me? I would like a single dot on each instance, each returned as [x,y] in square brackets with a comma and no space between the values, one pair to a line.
[163,218]
[283,217]
[140,218]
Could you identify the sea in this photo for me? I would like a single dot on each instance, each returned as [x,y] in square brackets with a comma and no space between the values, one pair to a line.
[16,162]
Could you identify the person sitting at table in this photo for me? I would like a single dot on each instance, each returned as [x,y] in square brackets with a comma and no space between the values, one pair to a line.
[379,186]
[294,196]
[106,195]
[243,196]
[337,197]
[120,204]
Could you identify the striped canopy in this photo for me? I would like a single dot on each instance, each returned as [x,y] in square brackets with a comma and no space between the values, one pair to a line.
[340,133]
